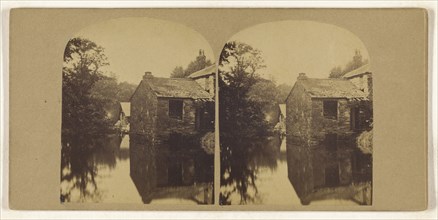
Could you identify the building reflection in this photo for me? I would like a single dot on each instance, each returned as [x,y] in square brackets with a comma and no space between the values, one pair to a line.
[323,173]
[171,170]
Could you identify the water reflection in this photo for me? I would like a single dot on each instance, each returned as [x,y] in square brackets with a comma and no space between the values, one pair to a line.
[319,173]
[102,169]
[81,159]
[163,172]
[242,164]
[275,171]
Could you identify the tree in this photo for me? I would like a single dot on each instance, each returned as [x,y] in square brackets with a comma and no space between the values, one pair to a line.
[356,62]
[125,91]
[263,92]
[110,91]
[105,90]
[241,118]
[199,63]
[82,111]
[336,72]
[365,142]
[178,72]
[88,95]
[283,91]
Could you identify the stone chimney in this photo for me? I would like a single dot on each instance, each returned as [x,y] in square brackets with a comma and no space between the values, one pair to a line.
[302,76]
[148,75]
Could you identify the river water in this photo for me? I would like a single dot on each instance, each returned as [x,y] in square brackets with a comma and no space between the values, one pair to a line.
[285,175]
[120,169]
[100,169]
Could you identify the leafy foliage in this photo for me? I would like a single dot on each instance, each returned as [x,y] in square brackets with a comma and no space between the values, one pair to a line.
[111,91]
[125,91]
[199,63]
[283,91]
[178,72]
[242,121]
[82,111]
[263,92]
[88,96]
[365,142]
[356,62]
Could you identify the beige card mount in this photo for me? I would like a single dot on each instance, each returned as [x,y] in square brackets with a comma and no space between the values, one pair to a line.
[218,109]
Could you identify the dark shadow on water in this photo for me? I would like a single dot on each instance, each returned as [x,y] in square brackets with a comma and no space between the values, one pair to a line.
[240,163]
[316,173]
[81,155]
[319,173]
[182,170]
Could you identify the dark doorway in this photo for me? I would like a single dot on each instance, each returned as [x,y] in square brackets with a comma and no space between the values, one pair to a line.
[175,141]
[174,172]
[332,175]
[354,118]
[205,117]
[331,141]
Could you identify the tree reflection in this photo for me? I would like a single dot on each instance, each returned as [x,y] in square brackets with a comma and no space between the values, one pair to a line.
[81,156]
[244,131]
[78,171]
[240,165]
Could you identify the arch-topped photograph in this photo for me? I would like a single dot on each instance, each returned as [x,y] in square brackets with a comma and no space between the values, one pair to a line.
[295,116]
[138,114]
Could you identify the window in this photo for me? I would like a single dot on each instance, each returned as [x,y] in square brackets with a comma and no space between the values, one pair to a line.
[176,109]
[331,142]
[330,109]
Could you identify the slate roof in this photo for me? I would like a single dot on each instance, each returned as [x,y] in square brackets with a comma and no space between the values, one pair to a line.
[357,72]
[331,88]
[210,70]
[177,88]
[126,108]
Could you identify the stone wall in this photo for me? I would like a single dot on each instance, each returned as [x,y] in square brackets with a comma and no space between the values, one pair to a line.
[150,116]
[207,83]
[363,83]
[299,116]
[167,125]
[309,154]
[322,125]
[144,111]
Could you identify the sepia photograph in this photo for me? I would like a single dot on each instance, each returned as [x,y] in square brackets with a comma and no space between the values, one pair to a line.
[169,110]
[295,116]
[138,98]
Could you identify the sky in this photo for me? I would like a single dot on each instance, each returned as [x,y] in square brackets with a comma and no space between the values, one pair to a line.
[136,45]
[292,47]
